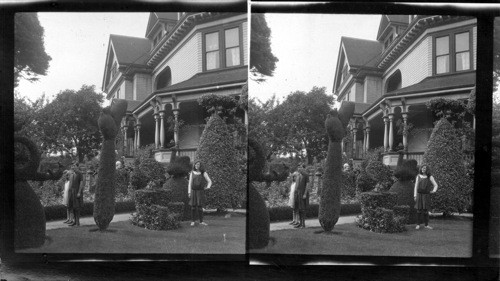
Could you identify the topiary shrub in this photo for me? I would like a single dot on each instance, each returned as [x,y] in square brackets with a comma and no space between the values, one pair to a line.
[179,167]
[29,226]
[377,213]
[217,154]
[178,188]
[406,171]
[138,179]
[109,124]
[152,170]
[335,125]
[258,220]
[445,158]
[156,217]
[381,174]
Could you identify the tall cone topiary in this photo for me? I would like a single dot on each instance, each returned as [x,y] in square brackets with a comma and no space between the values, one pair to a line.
[329,206]
[445,158]
[109,125]
[218,156]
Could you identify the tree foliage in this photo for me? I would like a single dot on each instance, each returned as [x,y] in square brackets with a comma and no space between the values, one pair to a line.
[295,125]
[30,58]
[262,60]
[71,120]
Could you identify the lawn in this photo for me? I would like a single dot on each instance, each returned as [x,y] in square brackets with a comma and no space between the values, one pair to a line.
[449,238]
[124,237]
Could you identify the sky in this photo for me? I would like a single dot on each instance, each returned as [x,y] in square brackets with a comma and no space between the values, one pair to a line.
[307,47]
[77,43]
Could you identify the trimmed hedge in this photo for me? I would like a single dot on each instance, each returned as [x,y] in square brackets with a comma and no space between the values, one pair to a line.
[156,218]
[284,213]
[58,212]
[179,193]
[149,197]
[377,212]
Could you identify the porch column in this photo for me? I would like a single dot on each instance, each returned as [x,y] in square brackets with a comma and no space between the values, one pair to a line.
[386,129]
[156,131]
[138,138]
[124,131]
[405,134]
[364,141]
[162,129]
[354,133]
[176,127]
[391,131]
[367,139]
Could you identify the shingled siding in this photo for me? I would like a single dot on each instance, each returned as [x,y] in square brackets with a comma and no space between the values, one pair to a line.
[416,66]
[372,89]
[142,86]
[185,61]
[245,43]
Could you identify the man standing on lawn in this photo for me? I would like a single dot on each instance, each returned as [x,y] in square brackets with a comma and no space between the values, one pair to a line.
[302,195]
[76,190]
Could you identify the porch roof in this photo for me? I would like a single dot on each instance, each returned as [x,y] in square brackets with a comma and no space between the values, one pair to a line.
[206,79]
[203,80]
[131,104]
[437,83]
[360,107]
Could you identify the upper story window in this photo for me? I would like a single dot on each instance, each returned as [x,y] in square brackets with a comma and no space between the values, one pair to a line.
[452,52]
[114,70]
[344,74]
[222,48]
[157,37]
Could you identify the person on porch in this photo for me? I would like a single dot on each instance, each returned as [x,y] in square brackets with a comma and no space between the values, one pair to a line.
[424,186]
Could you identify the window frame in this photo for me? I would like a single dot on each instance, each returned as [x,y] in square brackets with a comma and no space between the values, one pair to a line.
[221,30]
[452,49]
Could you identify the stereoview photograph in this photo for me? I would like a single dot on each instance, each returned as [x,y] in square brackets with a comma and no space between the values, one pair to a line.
[361,135]
[130,132]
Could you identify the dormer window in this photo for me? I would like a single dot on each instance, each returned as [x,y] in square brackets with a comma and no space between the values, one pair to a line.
[388,41]
[344,74]
[114,71]
[158,37]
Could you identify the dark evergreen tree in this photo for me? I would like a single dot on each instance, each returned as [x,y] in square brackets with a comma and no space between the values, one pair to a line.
[446,161]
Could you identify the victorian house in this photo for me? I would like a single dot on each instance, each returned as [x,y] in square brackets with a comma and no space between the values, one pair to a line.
[415,58]
[182,57]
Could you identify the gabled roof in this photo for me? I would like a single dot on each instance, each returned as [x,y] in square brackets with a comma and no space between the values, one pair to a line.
[130,50]
[361,52]
[437,83]
[387,19]
[155,17]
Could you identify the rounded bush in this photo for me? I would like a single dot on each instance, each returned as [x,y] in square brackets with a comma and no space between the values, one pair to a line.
[152,170]
[218,155]
[380,173]
[445,159]
[180,167]
[258,220]
[364,182]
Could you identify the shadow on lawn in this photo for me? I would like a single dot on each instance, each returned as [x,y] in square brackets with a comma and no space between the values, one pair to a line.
[327,232]
[105,230]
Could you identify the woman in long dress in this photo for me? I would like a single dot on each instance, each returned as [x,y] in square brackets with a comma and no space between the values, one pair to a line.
[197,179]
[66,196]
[291,200]
[424,186]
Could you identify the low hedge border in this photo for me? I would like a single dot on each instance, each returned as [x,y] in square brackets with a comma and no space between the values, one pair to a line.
[283,213]
[58,212]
